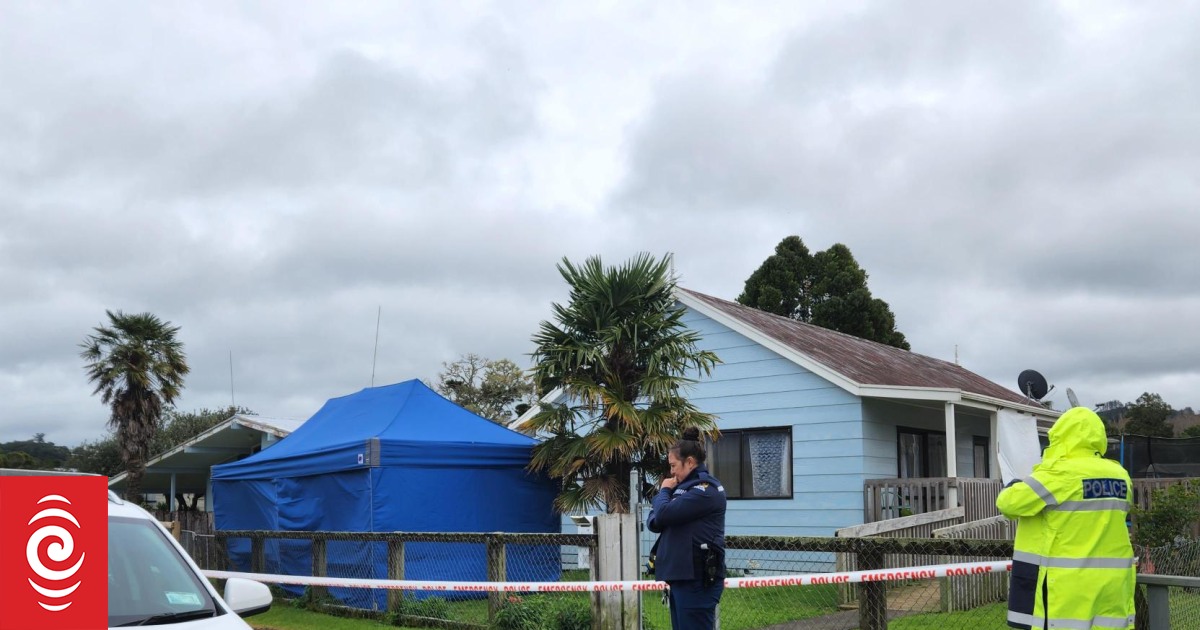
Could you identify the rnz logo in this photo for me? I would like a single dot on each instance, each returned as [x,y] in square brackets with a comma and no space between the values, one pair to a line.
[61,550]
[54,552]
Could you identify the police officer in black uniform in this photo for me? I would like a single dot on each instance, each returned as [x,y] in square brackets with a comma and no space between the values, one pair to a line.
[689,516]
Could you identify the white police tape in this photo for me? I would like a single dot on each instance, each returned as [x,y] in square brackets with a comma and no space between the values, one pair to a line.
[846,577]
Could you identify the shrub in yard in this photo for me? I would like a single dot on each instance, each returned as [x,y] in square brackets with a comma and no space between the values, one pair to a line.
[539,612]
[1173,512]
[570,613]
[409,606]
[520,613]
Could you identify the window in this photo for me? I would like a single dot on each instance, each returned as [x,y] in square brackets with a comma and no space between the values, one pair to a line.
[753,463]
[920,453]
[980,450]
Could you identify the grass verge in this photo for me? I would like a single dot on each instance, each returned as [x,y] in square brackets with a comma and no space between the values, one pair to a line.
[290,618]
[746,609]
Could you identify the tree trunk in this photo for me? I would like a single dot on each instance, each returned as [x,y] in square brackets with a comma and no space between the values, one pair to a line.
[618,500]
[135,469]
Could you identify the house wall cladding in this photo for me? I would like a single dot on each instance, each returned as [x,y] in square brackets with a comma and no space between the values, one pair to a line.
[754,387]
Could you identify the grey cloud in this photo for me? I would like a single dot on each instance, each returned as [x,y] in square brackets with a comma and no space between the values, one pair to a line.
[920,45]
[1017,180]
[1013,183]
[1078,161]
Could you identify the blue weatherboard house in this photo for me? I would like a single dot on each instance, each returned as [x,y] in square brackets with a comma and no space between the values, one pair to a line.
[398,458]
[808,415]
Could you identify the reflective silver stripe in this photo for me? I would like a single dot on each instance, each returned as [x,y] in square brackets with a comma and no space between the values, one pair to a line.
[1029,620]
[1075,624]
[1112,622]
[1073,563]
[1043,493]
[1093,505]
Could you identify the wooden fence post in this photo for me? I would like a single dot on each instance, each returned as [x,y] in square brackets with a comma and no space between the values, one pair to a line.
[872,596]
[258,555]
[497,571]
[395,572]
[319,562]
[617,557]
[594,575]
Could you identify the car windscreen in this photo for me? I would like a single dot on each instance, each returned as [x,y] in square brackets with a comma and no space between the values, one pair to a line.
[148,580]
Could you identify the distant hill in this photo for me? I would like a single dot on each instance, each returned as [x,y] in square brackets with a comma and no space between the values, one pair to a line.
[35,454]
[1113,412]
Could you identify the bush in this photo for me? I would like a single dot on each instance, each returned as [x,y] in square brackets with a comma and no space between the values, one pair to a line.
[409,606]
[539,612]
[1172,515]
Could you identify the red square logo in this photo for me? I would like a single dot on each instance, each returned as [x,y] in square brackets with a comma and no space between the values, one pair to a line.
[54,553]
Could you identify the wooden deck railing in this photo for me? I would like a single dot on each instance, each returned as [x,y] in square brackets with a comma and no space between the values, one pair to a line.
[885,499]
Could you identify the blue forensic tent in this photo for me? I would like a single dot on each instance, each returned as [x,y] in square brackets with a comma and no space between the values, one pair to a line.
[398,458]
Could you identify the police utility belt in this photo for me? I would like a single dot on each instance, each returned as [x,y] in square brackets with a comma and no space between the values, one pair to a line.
[708,561]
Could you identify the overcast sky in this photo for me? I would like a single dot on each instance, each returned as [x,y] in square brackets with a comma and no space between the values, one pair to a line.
[1020,179]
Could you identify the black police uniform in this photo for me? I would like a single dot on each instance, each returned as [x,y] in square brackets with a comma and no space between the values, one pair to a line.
[687,517]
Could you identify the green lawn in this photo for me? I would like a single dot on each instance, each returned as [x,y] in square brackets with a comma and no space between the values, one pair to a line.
[1185,609]
[285,617]
[745,608]
[1185,612]
[989,617]
[741,609]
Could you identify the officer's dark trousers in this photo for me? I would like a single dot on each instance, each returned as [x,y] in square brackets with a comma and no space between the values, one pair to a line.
[694,607]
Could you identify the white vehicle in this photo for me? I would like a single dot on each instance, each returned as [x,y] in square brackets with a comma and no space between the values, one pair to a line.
[153,582]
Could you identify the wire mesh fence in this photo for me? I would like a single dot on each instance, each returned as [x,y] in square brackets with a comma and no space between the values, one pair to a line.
[429,557]
[566,558]
[207,550]
[906,600]
[1180,558]
[909,599]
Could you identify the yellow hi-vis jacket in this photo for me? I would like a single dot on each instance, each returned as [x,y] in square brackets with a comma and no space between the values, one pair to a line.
[1072,559]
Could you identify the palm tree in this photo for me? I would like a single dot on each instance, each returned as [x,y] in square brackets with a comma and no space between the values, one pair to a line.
[138,366]
[621,353]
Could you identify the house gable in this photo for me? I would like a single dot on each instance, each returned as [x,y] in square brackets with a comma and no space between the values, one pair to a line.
[861,367]
[755,387]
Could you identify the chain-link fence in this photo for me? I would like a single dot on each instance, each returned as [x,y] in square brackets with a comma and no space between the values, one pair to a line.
[1181,559]
[430,557]
[905,601]
[207,550]
[967,601]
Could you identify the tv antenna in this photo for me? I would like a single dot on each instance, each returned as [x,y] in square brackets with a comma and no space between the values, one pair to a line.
[1033,385]
[232,399]
[378,316]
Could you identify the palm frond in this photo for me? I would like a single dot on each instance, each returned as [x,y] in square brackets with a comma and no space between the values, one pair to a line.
[621,351]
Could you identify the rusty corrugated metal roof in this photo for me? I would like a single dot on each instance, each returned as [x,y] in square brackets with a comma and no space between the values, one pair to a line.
[859,360]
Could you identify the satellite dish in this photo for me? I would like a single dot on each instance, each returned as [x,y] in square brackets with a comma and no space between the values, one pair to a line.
[1033,384]
[1071,398]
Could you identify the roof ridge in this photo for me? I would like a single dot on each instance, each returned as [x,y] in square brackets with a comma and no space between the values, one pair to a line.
[810,325]
[861,361]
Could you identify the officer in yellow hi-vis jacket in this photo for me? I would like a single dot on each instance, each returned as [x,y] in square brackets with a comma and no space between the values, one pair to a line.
[1072,559]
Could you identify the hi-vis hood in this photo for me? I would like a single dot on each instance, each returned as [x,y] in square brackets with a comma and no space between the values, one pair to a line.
[1077,433]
